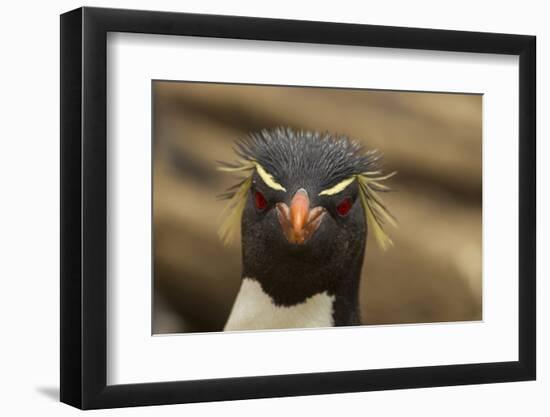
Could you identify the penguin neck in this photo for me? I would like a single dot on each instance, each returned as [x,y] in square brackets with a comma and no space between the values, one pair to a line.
[297,293]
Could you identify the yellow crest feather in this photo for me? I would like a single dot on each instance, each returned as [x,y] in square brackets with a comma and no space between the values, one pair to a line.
[268,178]
[233,212]
[341,186]
[375,211]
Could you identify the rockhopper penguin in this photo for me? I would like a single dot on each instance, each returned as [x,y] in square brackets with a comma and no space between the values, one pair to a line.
[304,205]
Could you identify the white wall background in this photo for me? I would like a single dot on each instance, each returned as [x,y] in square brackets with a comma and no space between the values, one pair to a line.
[29,209]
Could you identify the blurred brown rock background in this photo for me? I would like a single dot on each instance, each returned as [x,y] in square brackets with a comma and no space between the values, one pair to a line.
[434,141]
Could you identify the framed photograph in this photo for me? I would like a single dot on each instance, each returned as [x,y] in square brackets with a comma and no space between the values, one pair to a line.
[257,208]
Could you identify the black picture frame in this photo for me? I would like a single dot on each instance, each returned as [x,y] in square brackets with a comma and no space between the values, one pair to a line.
[84,207]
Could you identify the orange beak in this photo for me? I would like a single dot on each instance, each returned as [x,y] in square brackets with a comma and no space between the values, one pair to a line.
[299,222]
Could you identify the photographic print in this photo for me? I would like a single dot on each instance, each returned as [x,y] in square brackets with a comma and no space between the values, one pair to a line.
[280,207]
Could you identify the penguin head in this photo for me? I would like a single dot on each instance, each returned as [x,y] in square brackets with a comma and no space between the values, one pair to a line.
[306,192]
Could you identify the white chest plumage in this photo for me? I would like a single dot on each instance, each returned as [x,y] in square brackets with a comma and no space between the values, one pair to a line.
[255,310]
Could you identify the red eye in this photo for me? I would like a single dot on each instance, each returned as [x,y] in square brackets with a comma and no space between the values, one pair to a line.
[344,207]
[259,199]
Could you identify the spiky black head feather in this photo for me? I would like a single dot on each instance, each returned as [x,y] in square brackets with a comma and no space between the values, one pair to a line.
[290,155]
